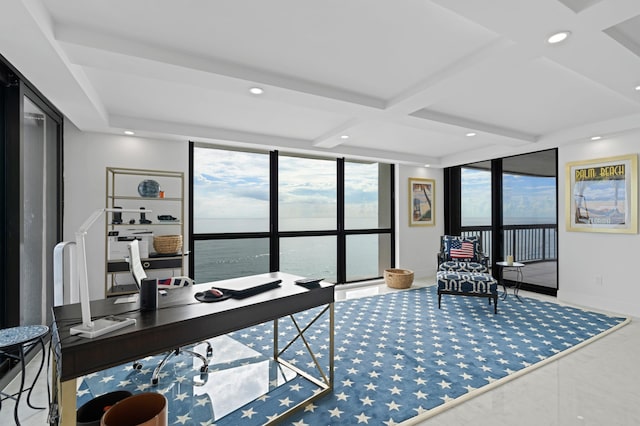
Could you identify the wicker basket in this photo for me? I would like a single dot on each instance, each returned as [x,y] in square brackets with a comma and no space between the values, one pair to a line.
[167,244]
[398,278]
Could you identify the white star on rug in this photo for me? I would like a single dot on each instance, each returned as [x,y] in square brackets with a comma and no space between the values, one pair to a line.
[444,385]
[248,413]
[286,402]
[362,418]
[446,398]
[106,379]
[181,396]
[183,419]
[367,401]
[421,395]
[336,412]
[201,402]
[393,406]
[342,396]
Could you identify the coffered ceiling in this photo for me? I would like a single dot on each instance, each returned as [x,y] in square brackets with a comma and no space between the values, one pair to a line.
[402,80]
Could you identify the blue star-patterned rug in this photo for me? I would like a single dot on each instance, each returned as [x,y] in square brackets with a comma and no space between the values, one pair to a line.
[397,357]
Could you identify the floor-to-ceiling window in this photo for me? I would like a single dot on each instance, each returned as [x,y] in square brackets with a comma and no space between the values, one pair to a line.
[255,212]
[512,204]
[30,198]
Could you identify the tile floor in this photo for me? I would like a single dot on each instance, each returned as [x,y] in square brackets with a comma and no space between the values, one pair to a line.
[596,385]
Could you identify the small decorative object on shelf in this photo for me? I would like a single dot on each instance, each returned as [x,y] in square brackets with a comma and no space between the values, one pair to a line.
[143,217]
[149,188]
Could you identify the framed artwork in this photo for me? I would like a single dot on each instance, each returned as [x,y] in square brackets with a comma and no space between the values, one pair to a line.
[422,202]
[602,195]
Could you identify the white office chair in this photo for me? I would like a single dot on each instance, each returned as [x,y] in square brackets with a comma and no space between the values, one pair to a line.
[139,274]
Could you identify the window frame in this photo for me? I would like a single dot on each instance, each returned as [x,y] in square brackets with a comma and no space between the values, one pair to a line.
[274,234]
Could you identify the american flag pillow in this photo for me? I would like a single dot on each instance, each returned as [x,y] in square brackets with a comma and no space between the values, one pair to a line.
[461,249]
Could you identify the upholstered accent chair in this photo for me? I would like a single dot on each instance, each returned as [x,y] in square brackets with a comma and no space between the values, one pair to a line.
[464,270]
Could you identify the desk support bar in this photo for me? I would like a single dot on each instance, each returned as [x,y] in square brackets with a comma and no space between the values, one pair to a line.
[325,383]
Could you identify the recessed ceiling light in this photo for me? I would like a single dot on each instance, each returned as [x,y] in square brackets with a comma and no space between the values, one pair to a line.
[596,138]
[427,165]
[256,90]
[558,37]
[471,134]
[129,132]
[637,88]
[344,137]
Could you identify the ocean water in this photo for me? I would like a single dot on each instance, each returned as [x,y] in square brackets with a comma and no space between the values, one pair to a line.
[315,256]
[304,256]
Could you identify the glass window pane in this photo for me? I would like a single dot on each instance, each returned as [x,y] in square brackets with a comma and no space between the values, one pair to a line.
[367,195]
[224,259]
[309,257]
[306,194]
[230,191]
[528,200]
[475,196]
[367,256]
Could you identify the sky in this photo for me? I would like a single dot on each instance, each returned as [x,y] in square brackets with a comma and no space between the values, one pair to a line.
[524,198]
[235,185]
[232,184]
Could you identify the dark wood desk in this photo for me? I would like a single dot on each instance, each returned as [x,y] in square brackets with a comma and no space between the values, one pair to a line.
[179,320]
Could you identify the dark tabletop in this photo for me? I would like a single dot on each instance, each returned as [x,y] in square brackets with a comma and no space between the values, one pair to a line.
[179,320]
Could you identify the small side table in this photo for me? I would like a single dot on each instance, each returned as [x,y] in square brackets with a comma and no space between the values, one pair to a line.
[17,338]
[517,267]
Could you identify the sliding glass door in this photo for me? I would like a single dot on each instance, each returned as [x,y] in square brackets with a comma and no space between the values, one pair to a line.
[512,204]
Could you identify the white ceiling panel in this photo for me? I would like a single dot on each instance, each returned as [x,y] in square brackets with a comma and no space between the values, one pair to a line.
[537,97]
[406,80]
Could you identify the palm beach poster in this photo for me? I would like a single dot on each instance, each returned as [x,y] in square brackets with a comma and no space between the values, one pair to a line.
[602,195]
[422,202]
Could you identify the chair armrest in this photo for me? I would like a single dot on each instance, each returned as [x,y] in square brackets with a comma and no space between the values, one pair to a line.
[484,259]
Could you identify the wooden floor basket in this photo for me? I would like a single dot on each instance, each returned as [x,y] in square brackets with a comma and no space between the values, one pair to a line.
[167,244]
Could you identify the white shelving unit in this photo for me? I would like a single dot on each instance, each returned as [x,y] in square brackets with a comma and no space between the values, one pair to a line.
[125,189]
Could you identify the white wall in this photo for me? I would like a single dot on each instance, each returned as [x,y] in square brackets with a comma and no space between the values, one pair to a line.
[417,246]
[86,157]
[585,256]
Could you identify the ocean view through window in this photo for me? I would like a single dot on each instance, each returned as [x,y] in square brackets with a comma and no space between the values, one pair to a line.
[333,216]
[511,203]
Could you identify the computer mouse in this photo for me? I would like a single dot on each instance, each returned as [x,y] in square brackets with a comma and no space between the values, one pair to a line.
[213,293]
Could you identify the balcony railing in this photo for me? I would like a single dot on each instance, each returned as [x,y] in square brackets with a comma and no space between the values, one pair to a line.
[527,243]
